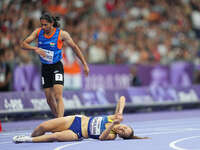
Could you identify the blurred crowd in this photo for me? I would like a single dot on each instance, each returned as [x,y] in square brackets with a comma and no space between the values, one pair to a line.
[108,31]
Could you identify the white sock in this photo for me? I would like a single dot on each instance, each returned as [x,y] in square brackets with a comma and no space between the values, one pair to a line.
[29,139]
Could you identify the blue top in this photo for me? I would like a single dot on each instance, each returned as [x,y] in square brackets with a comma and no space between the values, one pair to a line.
[96,126]
[50,46]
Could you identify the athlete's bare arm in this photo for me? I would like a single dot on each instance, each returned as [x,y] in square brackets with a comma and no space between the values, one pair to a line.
[120,108]
[106,135]
[67,38]
[120,105]
[26,43]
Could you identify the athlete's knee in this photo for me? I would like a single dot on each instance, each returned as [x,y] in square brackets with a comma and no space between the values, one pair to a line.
[40,130]
[49,98]
[56,137]
[58,96]
[43,127]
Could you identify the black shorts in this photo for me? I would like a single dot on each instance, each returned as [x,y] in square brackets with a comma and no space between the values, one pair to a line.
[52,74]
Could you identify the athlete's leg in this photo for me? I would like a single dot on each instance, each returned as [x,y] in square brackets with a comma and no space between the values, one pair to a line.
[54,125]
[51,100]
[62,136]
[66,135]
[58,91]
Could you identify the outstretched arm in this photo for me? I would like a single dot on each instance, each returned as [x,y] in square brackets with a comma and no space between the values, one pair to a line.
[67,38]
[120,105]
[120,108]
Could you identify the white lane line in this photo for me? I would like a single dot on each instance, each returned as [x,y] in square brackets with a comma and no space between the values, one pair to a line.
[156,124]
[163,121]
[164,129]
[68,145]
[5,142]
[171,120]
[173,144]
[169,132]
[153,133]
[10,133]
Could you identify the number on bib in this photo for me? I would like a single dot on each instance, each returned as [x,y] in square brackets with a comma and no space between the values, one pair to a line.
[58,77]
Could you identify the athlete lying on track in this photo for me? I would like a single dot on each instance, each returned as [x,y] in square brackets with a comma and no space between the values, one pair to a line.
[76,127]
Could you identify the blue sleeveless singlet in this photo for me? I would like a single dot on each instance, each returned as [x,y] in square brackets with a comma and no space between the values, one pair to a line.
[50,46]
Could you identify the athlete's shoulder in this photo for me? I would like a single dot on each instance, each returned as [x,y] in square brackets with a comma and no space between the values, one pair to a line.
[37,31]
[64,34]
[63,31]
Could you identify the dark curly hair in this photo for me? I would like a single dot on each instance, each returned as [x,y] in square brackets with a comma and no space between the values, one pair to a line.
[51,19]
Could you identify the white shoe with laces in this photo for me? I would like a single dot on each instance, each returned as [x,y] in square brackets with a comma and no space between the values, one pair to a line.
[22,139]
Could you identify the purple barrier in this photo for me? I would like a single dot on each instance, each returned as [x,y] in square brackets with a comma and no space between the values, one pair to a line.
[178,73]
[26,78]
[118,76]
[107,77]
[35,101]
[113,77]
[161,95]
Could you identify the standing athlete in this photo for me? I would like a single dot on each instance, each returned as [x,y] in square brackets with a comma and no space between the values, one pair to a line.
[50,40]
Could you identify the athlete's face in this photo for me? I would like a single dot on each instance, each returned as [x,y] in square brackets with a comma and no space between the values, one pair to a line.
[46,26]
[123,130]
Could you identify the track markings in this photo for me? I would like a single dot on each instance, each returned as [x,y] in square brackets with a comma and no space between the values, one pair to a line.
[68,145]
[173,144]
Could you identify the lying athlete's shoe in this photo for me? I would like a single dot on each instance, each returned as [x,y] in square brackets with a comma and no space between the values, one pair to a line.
[22,139]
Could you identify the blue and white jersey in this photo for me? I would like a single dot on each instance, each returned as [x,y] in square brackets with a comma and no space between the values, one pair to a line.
[52,45]
[96,126]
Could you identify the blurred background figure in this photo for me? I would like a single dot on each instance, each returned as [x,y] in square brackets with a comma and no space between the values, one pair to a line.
[72,70]
[26,73]
[5,73]
[135,79]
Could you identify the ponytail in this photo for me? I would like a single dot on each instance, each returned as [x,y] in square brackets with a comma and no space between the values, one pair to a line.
[132,136]
[137,137]
[56,19]
[51,19]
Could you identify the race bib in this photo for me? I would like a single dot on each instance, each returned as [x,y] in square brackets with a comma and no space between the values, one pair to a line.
[95,126]
[49,55]
[58,77]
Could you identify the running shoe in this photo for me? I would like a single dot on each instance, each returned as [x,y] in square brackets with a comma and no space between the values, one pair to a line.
[21,139]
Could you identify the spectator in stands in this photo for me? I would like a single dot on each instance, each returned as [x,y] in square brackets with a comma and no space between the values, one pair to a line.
[5,73]
[135,79]
[150,26]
